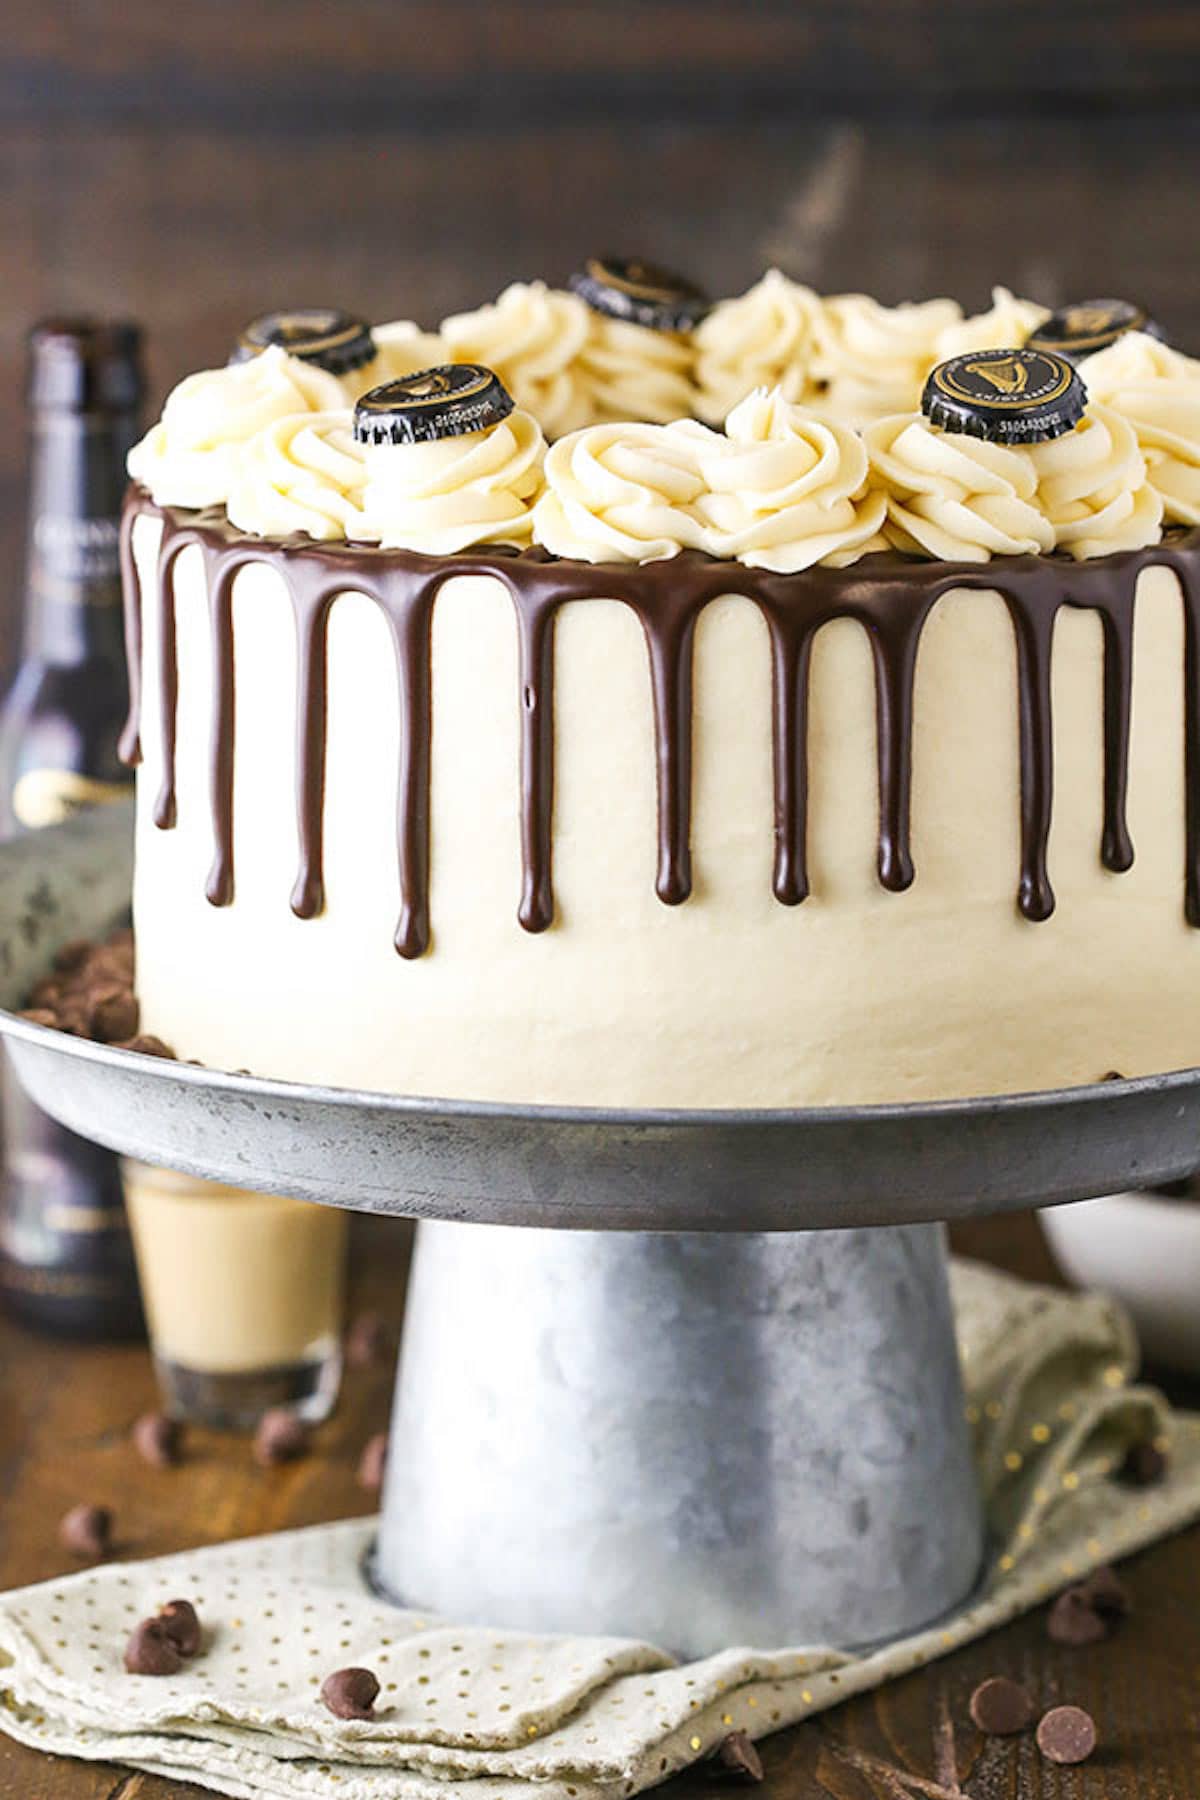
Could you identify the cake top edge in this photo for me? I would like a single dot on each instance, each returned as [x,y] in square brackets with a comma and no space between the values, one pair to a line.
[857,428]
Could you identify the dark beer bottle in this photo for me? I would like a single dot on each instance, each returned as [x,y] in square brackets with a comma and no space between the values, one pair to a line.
[66,1261]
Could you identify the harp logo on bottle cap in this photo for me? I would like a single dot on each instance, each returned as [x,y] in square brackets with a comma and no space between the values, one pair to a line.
[1090,325]
[1006,396]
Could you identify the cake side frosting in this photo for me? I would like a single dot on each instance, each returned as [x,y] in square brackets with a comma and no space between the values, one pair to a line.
[515,790]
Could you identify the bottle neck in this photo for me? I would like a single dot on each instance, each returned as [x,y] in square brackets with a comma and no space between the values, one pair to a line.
[73,579]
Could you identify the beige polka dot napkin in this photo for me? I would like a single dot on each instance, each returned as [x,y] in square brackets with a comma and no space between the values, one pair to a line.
[1049,1396]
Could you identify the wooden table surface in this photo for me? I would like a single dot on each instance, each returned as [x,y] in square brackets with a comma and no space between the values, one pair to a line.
[65,1413]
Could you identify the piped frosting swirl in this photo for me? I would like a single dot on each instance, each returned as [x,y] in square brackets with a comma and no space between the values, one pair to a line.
[621,493]
[532,336]
[443,496]
[1009,320]
[1093,487]
[630,372]
[304,473]
[955,497]
[1157,390]
[192,457]
[786,489]
[763,338]
[872,359]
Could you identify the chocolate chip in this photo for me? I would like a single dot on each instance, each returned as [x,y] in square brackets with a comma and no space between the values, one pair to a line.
[1112,1075]
[372,1462]
[1066,1734]
[1074,1620]
[87,1530]
[114,1017]
[115,960]
[72,956]
[737,1756]
[350,1693]
[1001,1707]
[158,1439]
[281,1437]
[179,1621]
[146,1044]
[40,1015]
[151,1650]
[367,1340]
[1144,1466]
[1107,1593]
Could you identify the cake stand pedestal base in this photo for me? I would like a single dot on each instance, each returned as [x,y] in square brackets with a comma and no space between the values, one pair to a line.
[700,1439]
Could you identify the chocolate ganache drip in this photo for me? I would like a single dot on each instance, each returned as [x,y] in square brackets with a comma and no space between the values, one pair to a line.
[890,595]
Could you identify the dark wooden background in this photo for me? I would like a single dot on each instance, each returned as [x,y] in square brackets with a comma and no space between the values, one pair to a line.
[197,163]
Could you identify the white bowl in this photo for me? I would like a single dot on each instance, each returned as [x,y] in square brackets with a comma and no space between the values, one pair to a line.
[1145,1250]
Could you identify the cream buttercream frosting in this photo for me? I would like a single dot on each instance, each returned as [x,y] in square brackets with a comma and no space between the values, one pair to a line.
[621,493]
[785,489]
[1157,390]
[1093,487]
[630,372]
[955,497]
[1007,324]
[192,456]
[872,359]
[302,473]
[477,488]
[763,338]
[532,336]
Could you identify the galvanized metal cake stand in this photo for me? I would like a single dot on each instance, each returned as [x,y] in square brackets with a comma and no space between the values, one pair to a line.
[688,1376]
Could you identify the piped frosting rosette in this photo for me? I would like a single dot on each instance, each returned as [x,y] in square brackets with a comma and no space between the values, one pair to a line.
[621,493]
[763,338]
[1008,320]
[447,494]
[785,489]
[872,359]
[303,473]
[1157,390]
[627,371]
[955,497]
[1093,487]
[532,336]
[193,456]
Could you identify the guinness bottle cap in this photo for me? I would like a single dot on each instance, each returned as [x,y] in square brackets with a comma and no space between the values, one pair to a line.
[1006,396]
[1089,325]
[333,340]
[640,293]
[448,401]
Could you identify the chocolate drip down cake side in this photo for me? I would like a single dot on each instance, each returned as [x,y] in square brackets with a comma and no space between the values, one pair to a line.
[824,728]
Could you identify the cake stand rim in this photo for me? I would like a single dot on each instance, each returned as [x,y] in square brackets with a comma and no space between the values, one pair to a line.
[535,1164]
[533,1112]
